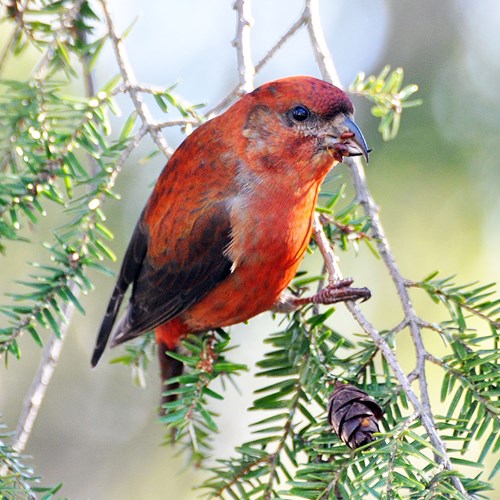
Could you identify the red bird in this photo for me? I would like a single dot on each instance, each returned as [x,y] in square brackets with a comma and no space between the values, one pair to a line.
[230,217]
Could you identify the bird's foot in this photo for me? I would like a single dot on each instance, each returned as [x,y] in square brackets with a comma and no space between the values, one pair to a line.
[335,291]
[208,356]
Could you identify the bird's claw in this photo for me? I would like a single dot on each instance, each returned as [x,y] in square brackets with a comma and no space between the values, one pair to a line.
[335,291]
[340,291]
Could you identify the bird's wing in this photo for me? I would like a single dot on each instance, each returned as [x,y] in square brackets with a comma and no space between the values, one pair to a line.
[167,286]
[131,267]
[169,272]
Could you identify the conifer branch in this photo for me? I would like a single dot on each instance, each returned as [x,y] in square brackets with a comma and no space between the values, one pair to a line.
[329,73]
[294,449]
[130,82]
[242,44]
[259,66]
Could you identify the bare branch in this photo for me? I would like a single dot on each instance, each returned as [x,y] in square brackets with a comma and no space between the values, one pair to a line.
[329,73]
[36,394]
[321,52]
[130,82]
[331,260]
[272,51]
[279,44]
[175,123]
[246,70]
[67,21]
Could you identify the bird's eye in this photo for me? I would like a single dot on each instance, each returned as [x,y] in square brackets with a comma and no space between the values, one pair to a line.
[300,113]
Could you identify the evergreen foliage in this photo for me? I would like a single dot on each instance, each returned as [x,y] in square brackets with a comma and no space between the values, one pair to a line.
[60,151]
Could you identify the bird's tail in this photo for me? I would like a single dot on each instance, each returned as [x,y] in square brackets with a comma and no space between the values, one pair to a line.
[129,271]
[108,322]
[169,368]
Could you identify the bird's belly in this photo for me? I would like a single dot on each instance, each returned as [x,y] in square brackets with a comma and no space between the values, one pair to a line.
[254,287]
[269,241]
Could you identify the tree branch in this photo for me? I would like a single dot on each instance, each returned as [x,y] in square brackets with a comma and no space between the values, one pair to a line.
[130,83]
[329,73]
[263,62]
[242,44]
[324,60]
[68,19]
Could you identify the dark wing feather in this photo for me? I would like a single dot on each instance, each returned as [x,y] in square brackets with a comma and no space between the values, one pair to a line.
[130,270]
[164,289]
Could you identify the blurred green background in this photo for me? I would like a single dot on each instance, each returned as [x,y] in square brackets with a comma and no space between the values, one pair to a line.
[437,186]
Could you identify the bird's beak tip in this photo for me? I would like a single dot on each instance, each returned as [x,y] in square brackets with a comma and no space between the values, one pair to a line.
[356,140]
[351,141]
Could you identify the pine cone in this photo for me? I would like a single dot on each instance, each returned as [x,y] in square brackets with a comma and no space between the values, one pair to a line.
[353,414]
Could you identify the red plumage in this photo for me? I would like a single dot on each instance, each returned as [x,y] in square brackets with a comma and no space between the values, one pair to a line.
[230,217]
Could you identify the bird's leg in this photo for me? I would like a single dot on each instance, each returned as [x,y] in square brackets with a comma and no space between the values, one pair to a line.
[335,291]
[208,356]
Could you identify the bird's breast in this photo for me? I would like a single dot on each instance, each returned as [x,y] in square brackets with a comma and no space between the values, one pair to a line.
[270,235]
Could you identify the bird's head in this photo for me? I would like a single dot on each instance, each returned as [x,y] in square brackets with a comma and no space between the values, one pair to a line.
[304,121]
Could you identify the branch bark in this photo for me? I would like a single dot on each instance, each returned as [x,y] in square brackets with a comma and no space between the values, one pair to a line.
[242,44]
[310,18]
[422,406]
[263,62]
[130,83]
[52,350]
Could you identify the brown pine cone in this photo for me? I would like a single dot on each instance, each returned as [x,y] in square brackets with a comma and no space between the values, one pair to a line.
[353,414]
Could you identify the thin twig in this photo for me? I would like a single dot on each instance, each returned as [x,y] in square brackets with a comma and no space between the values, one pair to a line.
[491,408]
[320,48]
[175,123]
[329,73]
[246,69]
[274,458]
[277,46]
[329,257]
[462,305]
[242,44]
[130,82]
[36,394]
[41,69]
[269,55]
[160,91]
[394,447]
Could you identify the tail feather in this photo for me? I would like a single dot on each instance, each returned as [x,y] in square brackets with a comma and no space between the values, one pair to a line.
[107,324]
[169,368]
[130,269]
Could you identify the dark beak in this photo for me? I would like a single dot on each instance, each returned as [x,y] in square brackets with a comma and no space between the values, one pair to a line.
[349,142]
[354,140]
